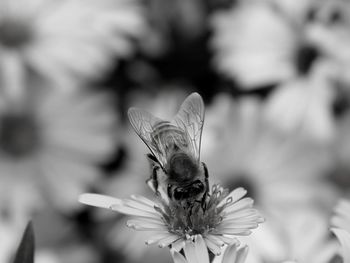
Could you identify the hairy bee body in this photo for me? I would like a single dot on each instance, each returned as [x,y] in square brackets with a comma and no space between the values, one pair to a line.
[184,175]
[175,149]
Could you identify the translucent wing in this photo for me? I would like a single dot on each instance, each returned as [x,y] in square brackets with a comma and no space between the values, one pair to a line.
[143,123]
[190,119]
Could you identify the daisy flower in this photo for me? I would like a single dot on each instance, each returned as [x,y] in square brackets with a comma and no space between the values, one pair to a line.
[51,146]
[196,252]
[243,149]
[66,40]
[341,228]
[222,217]
[304,239]
[305,106]
[215,213]
[266,42]
[295,44]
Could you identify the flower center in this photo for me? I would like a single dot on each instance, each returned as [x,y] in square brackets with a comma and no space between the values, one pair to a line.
[18,135]
[197,217]
[305,56]
[14,34]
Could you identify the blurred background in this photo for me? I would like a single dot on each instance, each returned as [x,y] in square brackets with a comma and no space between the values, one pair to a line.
[275,78]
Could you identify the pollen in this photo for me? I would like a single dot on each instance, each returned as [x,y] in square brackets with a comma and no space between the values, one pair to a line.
[198,217]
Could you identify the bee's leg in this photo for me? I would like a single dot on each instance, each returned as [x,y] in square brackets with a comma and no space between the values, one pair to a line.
[206,175]
[169,191]
[153,180]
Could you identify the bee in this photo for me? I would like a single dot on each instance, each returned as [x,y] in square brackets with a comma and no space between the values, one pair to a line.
[175,150]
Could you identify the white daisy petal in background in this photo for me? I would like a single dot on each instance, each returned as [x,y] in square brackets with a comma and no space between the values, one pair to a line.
[304,106]
[344,239]
[308,237]
[341,227]
[71,39]
[341,219]
[253,44]
[260,43]
[224,217]
[243,149]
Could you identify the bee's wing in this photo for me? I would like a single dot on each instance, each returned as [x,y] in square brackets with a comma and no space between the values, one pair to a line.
[190,119]
[143,123]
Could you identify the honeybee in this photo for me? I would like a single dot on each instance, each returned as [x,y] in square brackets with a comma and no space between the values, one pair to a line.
[175,149]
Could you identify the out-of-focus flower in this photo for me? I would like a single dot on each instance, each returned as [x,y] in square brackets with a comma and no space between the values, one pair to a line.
[266,42]
[52,146]
[304,106]
[297,44]
[219,220]
[72,253]
[173,21]
[66,40]
[341,219]
[196,252]
[253,44]
[243,149]
[341,228]
[307,237]
[304,238]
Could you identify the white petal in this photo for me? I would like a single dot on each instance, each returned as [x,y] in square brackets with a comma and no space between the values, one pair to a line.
[98,200]
[147,226]
[132,211]
[178,245]
[168,240]
[138,205]
[230,254]
[177,257]
[233,225]
[201,250]
[216,240]
[231,231]
[156,238]
[144,200]
[229,240]
[213,247]
[243,203]
[235,195]
[190,252]
[145,222]
[242,254]
[344,239]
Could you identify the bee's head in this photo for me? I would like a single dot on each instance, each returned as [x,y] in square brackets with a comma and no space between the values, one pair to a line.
[190,191]
[182,168]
